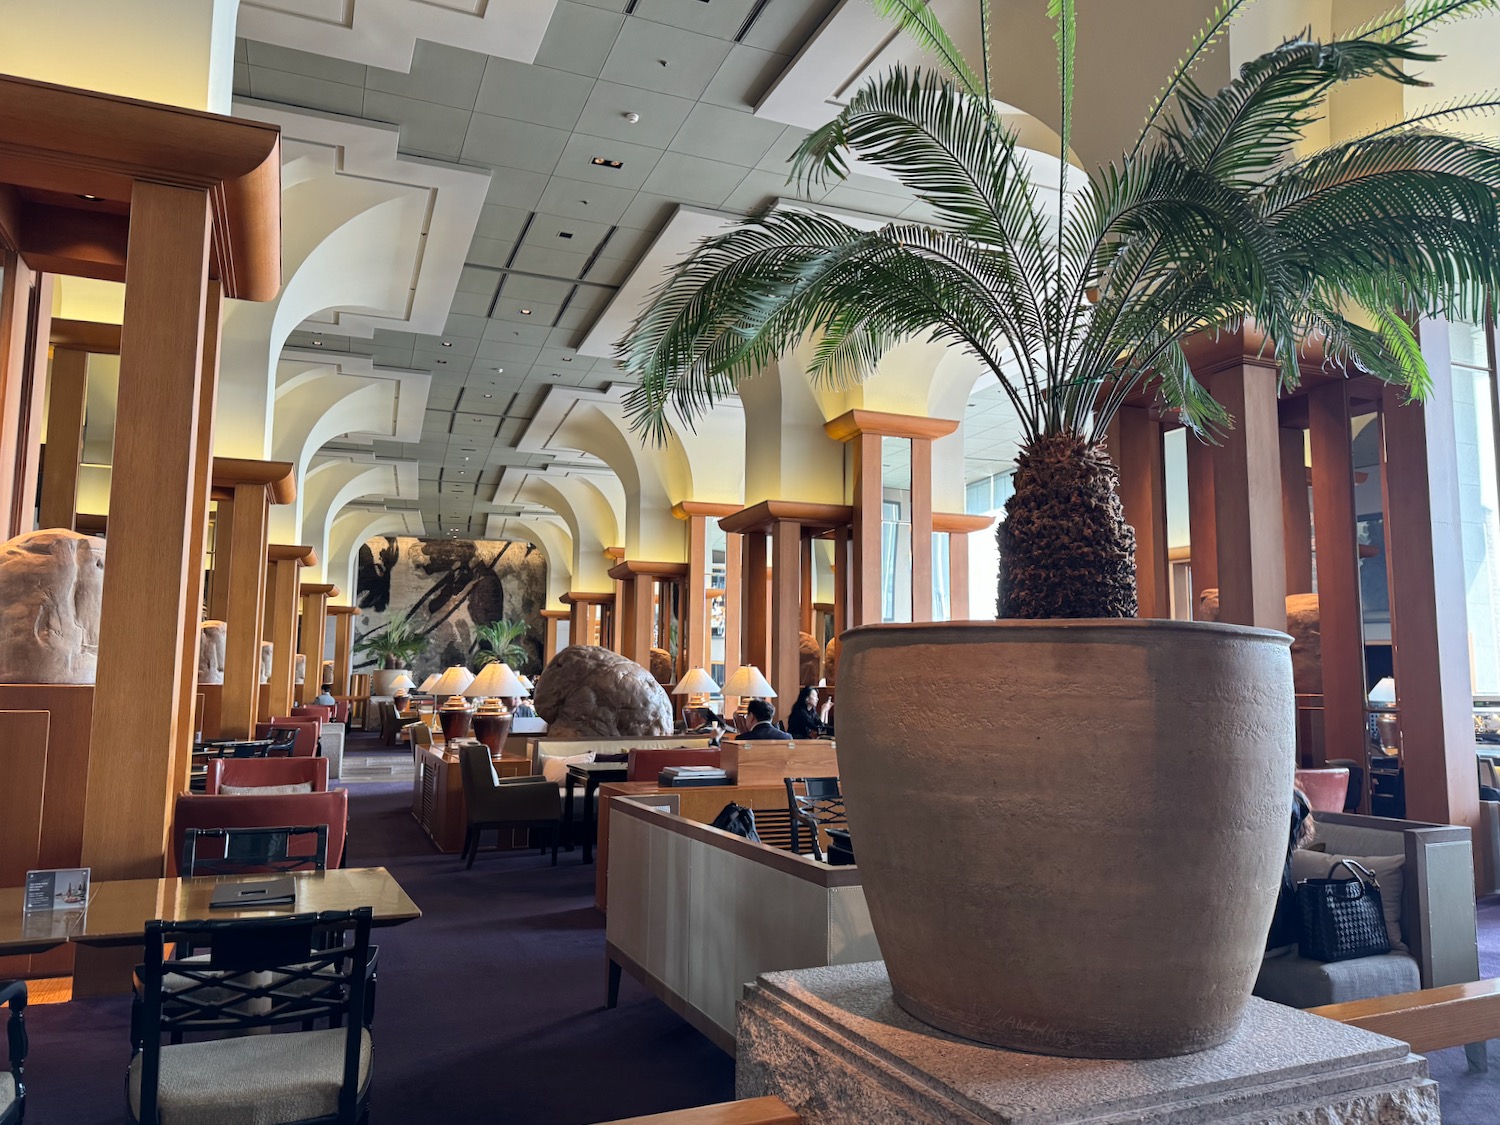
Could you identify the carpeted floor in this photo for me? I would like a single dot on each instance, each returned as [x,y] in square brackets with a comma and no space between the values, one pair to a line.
[491,1006]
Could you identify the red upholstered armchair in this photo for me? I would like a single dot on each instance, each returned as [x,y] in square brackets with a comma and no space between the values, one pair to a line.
[196,810]
[320,711]
[341,711]
[260,773]
[308,729]
[645,765]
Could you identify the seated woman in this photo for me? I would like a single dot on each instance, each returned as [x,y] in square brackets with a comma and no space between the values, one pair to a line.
[803,722]
[762,713]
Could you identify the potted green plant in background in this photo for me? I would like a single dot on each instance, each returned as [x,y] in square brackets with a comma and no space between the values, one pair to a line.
[500,641]
[1026,888]
[393,648]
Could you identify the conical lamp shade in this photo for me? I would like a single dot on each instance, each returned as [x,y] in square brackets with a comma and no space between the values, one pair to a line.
[453,681]
[747,682]
[696,682]
[429,683]
[496,679]
[402,684]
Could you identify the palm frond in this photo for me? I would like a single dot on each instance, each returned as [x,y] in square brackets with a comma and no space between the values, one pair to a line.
[916,18]
[1208,35]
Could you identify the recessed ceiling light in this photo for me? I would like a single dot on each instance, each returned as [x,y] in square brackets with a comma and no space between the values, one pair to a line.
[489,396]
[442,361]
[606,162]
[499,370]
[317,343]
[567,359]
[446,344]
[564,234]
[555,375]
[90,198]
[525,312]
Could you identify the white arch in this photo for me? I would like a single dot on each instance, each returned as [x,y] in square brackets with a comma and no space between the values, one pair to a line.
[350,530]
[330,486]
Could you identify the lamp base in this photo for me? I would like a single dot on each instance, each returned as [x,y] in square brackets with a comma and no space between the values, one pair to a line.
[456,722]
[492,730]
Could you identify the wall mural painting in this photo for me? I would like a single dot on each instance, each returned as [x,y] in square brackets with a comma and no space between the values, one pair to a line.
[446,587]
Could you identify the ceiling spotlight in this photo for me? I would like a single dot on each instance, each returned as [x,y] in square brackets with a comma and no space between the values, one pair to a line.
[564,234]
[441,361]
[632,116]
[317,343]
[525,312]
[567,359]
[90,198]
[489,396]
[499,370]
[446,344]
[606,162]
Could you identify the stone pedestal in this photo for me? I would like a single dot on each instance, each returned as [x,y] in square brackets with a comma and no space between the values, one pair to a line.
[832,1043]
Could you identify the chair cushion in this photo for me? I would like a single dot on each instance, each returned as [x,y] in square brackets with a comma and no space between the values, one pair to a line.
[264,790]
[7,1091]
[555,770]
[1300,983]
[1387,869]
[251,1080]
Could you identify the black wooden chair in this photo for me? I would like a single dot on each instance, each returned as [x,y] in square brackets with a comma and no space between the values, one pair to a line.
[505,803]
[819,804]
[260,979]
[13,1084]
[254,851]
[283,742]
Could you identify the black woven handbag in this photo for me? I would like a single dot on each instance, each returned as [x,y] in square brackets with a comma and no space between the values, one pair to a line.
[738,819]
[1341,918]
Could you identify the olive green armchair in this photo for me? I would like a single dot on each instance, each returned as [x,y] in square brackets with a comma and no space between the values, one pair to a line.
[505,803]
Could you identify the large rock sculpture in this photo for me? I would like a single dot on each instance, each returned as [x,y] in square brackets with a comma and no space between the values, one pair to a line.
[1304,623]
[661,666]
[590,692]
[211,652]
[51,589]
[810,660]
[267,655]
[831,661]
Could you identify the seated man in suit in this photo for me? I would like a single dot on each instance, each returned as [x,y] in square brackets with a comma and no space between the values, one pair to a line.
[762,713]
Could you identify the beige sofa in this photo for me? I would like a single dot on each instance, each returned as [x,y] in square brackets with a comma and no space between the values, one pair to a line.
[540,749]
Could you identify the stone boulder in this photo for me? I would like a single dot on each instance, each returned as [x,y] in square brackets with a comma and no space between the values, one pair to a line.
[810,660]
[831,661]
[299,669]
[661,666]
[1304,623]
[267,655]
[590,692]
[211,652]
[326,675]
[51,591]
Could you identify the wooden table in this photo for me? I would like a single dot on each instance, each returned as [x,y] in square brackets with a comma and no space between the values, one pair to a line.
[437,796]
[119,910]
[592,774]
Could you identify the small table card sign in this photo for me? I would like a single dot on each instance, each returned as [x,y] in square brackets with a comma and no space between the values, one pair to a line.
[66,888]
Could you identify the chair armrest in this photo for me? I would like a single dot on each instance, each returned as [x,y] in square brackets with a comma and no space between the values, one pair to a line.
[13,992]
[528,801]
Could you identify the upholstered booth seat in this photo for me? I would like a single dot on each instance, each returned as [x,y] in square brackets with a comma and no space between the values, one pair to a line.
[251,1080]
[307,727]
[1300,983]
[319,711]
[235,775]
[276,810]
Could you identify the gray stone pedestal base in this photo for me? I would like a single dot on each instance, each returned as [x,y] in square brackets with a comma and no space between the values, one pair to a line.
[833,1044]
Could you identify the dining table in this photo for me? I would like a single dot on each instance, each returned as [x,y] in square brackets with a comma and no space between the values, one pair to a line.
[118,909]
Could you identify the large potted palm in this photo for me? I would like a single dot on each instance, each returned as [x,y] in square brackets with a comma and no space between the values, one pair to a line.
[1070,822]
[393,649]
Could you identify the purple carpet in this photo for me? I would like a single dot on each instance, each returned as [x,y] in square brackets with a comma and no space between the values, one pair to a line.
[491,1005]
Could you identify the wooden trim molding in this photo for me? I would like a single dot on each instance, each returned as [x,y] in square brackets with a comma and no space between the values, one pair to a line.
[556,614]
[86,336]
[852,423]
[284,552]
[327,589]
[587,597]
[342,610]
[684,509]
[954,521]
[278,476]
[629,568]
[760,517]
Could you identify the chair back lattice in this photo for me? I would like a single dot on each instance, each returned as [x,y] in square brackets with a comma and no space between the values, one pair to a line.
[250,851]
[814,802]
[261,973]
[283,742]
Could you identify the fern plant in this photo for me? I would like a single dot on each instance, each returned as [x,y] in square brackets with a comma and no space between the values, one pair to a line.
[500,641]
[1076,299]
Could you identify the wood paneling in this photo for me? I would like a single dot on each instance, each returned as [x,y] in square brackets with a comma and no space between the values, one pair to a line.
[865,566]
[245,610]
[1247,500]
[1202,525]
[1340,622]
[343,645]
[752,1111]
[768,763]
[695,641]
[786,613]
[734,604]
[280,628]
[921,529]
[67,395]
[1429,1020]
[1135,446]
[1296,514]
[755,639]
[313,636]
[141,719]
[23,765]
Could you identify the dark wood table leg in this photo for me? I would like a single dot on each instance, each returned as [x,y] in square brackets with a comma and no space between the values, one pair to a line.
[567,824]
[589,829]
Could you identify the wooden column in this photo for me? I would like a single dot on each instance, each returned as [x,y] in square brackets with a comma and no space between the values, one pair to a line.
[67,397]
[283,587]
[1429,615]
[841,579]
[867,493]
[755,638]
[25,314]
[695,631]
[1247,499]
[958,528]
[809,575]
[1135,446]
[142,716]
[216,592]
[313,636]
[786,613]
[1203,538]
[552,617]
[578,623]
[1296,516]
[343,645]
[1340,622]
[240,571]
[921,529]
[734,585]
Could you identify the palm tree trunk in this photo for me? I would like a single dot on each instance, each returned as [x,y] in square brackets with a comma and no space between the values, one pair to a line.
[1065,548]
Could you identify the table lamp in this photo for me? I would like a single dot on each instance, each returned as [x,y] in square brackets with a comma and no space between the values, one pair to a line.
[747,683]
[499,687]
[454,714]
[399,687]
[697,685]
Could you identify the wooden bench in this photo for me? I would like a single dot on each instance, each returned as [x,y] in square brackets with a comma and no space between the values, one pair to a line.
[752,1111]
[1451,1016]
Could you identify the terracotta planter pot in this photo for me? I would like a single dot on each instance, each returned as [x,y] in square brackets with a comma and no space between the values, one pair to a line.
[1070,833]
